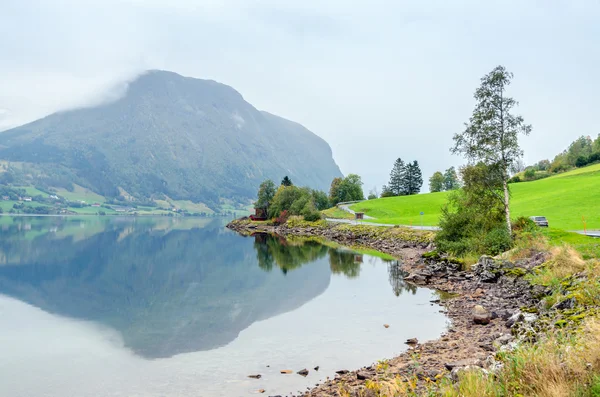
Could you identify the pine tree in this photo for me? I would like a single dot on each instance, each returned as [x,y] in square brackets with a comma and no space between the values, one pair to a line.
[286,181]
[413,178]
[397,176]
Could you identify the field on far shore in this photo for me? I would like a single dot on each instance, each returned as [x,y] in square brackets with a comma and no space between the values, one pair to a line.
[564,199]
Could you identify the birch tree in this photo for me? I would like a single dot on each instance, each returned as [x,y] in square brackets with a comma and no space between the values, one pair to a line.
[491,135]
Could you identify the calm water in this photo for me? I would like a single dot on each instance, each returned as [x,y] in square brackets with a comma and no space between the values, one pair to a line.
[104,306]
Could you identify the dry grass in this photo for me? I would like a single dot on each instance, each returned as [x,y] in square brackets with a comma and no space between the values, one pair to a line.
[556,367]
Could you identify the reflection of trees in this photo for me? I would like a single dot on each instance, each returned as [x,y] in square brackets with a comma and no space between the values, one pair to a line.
[274,250]
[396,276]
[288,256]
[347,263]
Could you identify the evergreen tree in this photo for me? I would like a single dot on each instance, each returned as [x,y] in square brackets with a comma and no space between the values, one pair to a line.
[451,179]
[436,182]
[286,181]
[413,179]
[397,177]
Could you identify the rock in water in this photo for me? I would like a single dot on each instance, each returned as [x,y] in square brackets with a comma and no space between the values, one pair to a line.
[481,315]
[286,371]
[254,376]
[412,341]
[316,368]
[303,372]
[363,375]
[386,325]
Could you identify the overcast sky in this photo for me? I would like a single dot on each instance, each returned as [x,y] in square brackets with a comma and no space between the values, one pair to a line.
[377,79]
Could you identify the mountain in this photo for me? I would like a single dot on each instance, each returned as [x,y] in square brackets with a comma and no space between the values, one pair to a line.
[169,135]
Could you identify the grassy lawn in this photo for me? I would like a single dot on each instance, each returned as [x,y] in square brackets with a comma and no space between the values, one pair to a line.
[563,199]
[588,247]
[336,213]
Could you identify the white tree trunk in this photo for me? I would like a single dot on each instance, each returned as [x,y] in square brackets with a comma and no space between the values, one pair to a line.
[506,206]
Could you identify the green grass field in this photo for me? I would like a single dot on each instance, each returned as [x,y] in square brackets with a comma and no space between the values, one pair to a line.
[80,194]
[564,199]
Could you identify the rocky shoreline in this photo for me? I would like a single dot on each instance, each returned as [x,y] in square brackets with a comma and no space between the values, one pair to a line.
[488,306]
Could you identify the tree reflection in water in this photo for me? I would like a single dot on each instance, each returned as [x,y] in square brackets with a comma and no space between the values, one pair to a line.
[289,255]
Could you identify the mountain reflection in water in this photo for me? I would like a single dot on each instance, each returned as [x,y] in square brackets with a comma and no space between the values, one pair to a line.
[168,286]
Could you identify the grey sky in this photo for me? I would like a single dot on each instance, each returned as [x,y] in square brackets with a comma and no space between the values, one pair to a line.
[378,79]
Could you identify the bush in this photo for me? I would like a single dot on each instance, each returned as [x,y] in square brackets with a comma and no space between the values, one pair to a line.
[523,224]
[581,161]
[529,174]
[515,179]
[282,218]
[497,241]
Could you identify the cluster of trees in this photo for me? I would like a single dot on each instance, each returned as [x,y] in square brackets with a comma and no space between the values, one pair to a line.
[444,182]
[292,200]
[477,217]
[405,179]
[346,189]
[581,152]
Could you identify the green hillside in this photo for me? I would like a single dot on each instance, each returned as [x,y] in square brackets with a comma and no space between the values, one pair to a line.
[563,199]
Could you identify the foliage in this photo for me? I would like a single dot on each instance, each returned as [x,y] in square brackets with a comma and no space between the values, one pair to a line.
[386,192]
[310,212]
[471,221]
[397,178]
[320,199]
[284,199]
[286,181]
[266,192]
[491,135]
[297,201]
[405,178]
[346,189]
[282,217]
[436,182]
[413,179]
[451,179]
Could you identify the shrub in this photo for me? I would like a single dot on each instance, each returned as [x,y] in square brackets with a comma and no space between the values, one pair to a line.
[515,179]
[497,241]
[310,212]
[523,224]
[581,161]
[529,174]
[282,218]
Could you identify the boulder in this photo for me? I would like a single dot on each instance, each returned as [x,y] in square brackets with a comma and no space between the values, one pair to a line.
[303,372]
[481,315]
[363,375]
[568,303]
[412,341]
[487,269]
[255,376]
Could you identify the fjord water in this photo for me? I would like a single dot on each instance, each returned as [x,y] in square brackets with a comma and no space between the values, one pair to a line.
[103,306]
